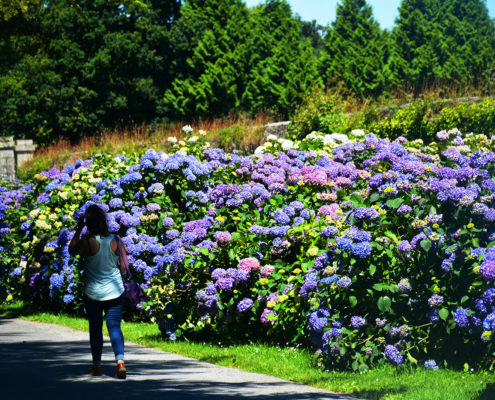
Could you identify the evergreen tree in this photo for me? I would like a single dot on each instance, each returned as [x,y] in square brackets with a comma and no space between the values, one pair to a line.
[314,32]
[211,81]
[74,67]
[282,66]
[468,50]
[442,41]
[355,50]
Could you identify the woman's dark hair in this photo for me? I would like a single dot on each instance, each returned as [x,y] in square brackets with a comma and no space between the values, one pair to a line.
[96,221]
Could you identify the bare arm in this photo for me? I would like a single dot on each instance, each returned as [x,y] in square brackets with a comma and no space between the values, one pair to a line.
[122,257]
[76,245]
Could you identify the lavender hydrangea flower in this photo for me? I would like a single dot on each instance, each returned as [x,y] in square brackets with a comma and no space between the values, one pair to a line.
[281,217]
[404,247]
[380,323]
[222,236]
[404,286]
[487,269]
[344,282]
[430,364]
[361,250]
[461,317]
[226,284]
[404,209]
[393,355]
[366,213]
[357,321]
[435,301]
[489,296]
[268,316]
[244,305]
[168,222]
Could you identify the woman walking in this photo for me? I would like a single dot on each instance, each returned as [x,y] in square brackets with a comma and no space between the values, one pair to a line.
[103,286]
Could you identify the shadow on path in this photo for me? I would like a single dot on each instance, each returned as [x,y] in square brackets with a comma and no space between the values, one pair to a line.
[56,368]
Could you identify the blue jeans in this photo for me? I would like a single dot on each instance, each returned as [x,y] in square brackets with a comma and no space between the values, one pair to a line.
[113,316]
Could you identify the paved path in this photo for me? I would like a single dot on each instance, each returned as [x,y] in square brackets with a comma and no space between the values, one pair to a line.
[43,361]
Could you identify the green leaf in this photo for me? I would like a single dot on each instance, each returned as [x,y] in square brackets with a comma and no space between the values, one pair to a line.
[425,244]
[372,269]
[464,299]
[374,197]
[411,359]
[394,203]
[357,200]
[231,254]
[384,304]
[391,235]
[353,301]
[204,251]
[444,314]
[379,287]
[236,236]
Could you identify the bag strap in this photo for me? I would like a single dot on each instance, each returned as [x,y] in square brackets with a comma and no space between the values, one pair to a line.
[122,255]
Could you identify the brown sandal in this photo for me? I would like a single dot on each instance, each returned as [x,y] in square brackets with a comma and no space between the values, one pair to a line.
[121,371]
[96,370]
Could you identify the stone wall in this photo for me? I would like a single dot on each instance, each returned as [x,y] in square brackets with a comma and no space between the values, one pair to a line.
[278,128]
[13,153]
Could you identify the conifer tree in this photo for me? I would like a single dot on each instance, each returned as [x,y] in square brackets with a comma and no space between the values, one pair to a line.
[468,50]
[281,64]
[355,50]
[210,83]
[442,41]
[73,67]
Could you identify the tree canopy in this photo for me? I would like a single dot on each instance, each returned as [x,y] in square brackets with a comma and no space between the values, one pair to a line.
[71,67]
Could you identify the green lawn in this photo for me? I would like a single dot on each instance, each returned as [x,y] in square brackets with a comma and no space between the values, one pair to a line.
[296,365]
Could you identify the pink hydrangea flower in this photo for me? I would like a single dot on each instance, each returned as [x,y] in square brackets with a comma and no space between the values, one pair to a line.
[266,271]
[249,264]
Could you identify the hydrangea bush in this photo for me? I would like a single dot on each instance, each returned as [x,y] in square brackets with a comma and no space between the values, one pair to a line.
[369,250]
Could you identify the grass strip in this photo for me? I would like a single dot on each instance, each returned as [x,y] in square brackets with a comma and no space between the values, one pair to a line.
[384,383]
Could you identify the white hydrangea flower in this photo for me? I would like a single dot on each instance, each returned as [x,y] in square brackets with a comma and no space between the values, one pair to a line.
[272,138]
[187,129]
[172,139]
[193,139]
[259,150]
[202,132]
[313,136]
[337,138]
[358,132]
[287,144]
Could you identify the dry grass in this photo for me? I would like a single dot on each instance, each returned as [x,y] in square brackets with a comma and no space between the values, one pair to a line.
[232,133]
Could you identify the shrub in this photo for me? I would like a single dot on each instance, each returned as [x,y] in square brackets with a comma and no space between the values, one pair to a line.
[368,249]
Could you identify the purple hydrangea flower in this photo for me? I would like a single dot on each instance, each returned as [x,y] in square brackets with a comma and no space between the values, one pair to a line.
[268,316]
[404,286]
[487,269]
[344,282]
[404,209]
[404,247]
[461,317]
[393,355]
[168,222]
[366,213]
[357,321]
[361,250]
[489,296]
[435,300]
[244,305]
[226,284]
[430,364]
[222,236]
